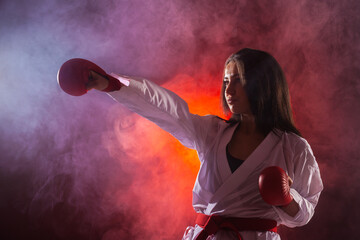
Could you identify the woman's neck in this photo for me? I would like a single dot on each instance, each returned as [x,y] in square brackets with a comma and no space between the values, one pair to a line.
[248,124]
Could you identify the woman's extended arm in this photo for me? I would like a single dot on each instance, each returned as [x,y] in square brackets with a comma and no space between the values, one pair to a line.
[161,106]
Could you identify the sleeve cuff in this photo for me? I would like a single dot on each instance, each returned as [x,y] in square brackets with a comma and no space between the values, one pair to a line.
[116,82]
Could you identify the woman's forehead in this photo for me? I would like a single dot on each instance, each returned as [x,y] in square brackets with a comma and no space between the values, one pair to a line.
[232,69]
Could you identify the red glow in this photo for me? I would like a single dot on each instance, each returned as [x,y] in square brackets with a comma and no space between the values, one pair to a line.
[202,96]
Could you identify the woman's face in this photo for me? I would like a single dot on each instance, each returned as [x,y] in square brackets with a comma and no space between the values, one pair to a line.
[235,94]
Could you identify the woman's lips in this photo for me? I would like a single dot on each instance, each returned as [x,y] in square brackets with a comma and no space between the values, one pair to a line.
[231,101]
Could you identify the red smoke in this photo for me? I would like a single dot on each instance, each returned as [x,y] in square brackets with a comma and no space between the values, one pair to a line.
[86,168]
[165,170]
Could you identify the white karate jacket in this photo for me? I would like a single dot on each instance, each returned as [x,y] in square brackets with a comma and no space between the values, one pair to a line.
[217,190]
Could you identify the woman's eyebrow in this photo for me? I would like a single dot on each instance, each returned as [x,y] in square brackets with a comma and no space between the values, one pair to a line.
[232,75]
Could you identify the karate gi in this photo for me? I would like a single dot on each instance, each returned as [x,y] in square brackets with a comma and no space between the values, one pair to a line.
[217,190]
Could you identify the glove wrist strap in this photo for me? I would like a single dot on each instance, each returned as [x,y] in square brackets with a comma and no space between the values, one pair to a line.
[114,84]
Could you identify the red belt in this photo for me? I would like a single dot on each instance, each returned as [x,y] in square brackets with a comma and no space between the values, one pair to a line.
[213,223]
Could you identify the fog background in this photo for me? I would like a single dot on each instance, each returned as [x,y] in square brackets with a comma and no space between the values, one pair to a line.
[87,168]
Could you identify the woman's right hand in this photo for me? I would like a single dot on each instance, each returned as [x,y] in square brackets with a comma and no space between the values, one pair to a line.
[96,81]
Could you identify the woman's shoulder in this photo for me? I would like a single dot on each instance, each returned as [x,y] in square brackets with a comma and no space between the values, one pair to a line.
[298,149]
[215,123]
[294,141]
[214,119]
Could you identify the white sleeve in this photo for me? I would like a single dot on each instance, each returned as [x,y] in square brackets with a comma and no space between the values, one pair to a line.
[165,109]
[305,189]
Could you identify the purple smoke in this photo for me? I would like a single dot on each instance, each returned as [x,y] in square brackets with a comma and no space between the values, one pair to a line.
[58,180]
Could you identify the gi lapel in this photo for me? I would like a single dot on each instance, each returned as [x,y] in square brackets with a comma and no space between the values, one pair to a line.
[232,181]
[221,160]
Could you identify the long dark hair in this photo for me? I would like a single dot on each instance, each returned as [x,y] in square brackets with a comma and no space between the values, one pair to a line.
[266,89]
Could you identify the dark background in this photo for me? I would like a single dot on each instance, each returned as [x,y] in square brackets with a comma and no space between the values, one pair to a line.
[86,168]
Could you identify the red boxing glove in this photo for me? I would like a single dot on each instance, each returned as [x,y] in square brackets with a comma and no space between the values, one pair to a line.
[73,76]
[274,186]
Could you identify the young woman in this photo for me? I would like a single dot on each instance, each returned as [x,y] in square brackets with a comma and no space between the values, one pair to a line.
[233,153]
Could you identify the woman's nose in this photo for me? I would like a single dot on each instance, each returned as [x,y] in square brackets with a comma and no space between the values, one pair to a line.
[230,89]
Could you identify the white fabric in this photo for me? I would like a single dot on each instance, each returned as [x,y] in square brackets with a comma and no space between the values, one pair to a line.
[217,190]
